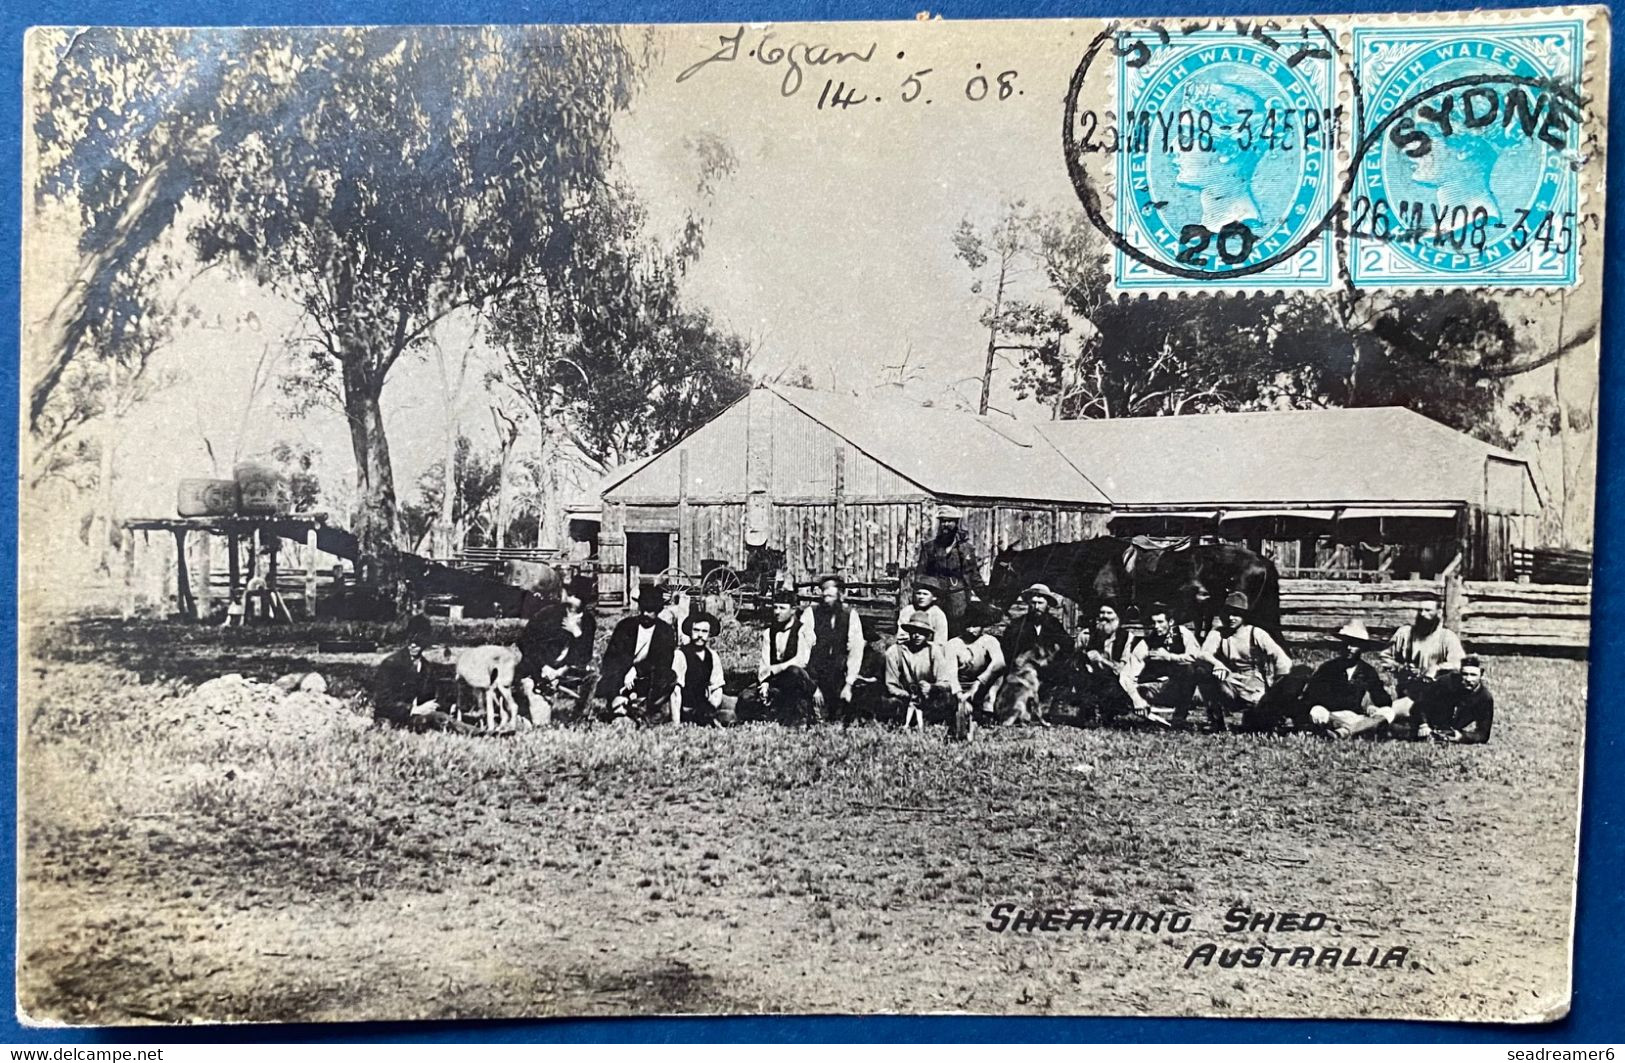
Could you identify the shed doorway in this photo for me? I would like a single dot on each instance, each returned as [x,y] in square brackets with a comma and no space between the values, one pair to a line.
[648,552]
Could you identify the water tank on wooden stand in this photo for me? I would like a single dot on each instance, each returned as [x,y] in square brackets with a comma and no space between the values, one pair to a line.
[206,498]
[261,487]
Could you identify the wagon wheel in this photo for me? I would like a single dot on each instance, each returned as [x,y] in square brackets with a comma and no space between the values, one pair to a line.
[674,578]
[721,592]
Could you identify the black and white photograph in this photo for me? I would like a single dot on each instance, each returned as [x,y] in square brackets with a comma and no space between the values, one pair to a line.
[1034,517]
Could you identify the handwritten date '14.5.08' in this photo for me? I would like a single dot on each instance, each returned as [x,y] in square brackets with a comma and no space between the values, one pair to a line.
[907,82]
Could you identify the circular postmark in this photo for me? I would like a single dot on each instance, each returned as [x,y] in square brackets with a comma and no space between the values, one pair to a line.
[1219,141]
[1219,145]
[1474,174]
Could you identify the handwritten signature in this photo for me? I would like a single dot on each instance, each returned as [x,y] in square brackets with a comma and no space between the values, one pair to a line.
[796,57]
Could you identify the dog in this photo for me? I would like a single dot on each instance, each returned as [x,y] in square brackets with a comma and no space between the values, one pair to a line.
[1018,700]
[488,672]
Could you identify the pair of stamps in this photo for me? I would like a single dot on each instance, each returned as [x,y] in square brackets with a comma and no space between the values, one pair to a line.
[1306,155]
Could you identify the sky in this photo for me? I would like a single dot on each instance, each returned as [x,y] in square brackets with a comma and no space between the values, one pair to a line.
[829,245]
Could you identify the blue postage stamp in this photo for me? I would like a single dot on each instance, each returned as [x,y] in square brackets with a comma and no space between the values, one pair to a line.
[1228,160]
[1469,170]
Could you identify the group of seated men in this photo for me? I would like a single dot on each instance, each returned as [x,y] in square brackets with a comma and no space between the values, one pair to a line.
[1237,669]
[814,664]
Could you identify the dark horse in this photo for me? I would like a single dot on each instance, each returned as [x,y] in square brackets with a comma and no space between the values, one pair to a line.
[1192,579]
[1089,570]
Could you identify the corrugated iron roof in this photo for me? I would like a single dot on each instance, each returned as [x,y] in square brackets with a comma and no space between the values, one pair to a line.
[1333,457]
[1374,454]
[950,452]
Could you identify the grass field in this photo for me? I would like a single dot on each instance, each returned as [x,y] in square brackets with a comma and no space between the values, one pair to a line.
[173,877]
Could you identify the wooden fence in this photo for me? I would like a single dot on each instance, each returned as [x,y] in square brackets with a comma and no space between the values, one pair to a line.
[1511,617]
[1491,617]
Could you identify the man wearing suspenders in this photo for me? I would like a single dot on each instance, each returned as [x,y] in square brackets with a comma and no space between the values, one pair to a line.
[1242,661]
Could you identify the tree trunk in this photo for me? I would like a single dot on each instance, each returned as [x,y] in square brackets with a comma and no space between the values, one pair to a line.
[445,532]
[374,518]
[993,339]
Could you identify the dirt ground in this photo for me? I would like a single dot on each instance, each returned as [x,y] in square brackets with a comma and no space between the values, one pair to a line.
[187,874]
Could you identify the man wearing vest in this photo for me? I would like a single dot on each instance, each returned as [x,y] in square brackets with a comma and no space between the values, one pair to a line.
[782,682]
[699,674]
[1104,652]
[639,677]
[1160,672]
[837,649]
[1241,662]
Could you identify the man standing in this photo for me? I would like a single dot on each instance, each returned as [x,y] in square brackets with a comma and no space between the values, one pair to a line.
[923,602]
[556,658]
[699,674]
[1422,653]
[1160,672]
[1102,656]
[639,669]
[949,561]
[1241,662]
[920,679]
[406,688]
[782,680]
[1462,709]
[1345,695]
[978,658]
[837,648]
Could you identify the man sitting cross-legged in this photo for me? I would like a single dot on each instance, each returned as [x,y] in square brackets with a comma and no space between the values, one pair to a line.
[1345,696]
[409,692]
[1423,653]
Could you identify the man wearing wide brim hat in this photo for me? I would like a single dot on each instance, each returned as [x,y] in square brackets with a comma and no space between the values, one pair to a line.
[921,682]
[1345,695]
[639,678]
[950,561]
[1241,662]
[1038,644]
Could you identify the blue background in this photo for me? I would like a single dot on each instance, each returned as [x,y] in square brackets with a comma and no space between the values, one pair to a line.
[1599,971]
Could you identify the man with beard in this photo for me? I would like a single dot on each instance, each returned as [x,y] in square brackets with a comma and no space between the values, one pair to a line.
[1421,653]
[950,563]
[1039,633]
[638,662]
[1242,661]
[837,648]
[1103,651]
[556,658]
[1160,672]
